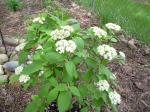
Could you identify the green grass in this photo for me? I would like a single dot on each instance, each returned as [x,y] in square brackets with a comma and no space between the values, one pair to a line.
[14,5]
[132,16]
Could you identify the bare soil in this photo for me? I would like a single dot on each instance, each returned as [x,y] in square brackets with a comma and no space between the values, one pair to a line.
[134,76]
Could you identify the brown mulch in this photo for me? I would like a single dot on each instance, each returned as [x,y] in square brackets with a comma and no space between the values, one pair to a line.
[134,76]
[13,22]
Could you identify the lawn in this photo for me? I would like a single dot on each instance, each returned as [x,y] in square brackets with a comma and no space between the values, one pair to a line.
[134,17]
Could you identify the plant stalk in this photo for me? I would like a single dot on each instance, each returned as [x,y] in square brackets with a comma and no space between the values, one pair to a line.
[3,42]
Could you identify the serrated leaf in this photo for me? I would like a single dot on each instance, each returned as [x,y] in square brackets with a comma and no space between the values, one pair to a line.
[54,57]
[80,43]
[52,95]
[23,56]
[91,63]
[71,69]
[53,82]
[13,78]
[34,105]
[75,91]
[61,87]
[32,68]
[85,109]
[114,40]
[64,101]
[104,70]
[44,90]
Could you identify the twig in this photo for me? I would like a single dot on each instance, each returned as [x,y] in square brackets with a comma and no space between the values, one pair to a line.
[3,42]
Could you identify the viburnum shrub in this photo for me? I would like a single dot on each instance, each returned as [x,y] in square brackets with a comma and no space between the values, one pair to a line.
[69,64]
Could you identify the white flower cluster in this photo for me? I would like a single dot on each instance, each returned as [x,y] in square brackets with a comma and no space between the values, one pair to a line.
[24,78]
[68,28]
[112,26]
[115,97]
[20,47]
[18,70]
[39,20]
[103,85]
[65,45]
[63,33]
[107,52]
[99,32]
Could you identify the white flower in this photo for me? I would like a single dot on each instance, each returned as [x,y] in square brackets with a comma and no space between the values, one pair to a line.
[71,46]
[63,33]
[61,46]
[103,85]
[99,32]
[54,34]
[41,73]
[24,78]
[20,47]
[18,70]
[122,54]
[115,97]
[39,20]
[59,34]
[68,28]
[113,26]
[107,52]
[64,45]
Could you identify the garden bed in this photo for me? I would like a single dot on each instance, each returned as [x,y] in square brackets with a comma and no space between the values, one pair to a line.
[133,78]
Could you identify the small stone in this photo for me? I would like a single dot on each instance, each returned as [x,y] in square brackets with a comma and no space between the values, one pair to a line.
[3,78]
[3,58]
[11,41]
[147,50]
[11,66]
[2,50]
[1,70]
[131,44]
[122,39]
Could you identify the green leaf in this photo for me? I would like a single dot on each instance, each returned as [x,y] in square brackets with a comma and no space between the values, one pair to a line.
[91,63]
[47,73]
[13,78]
[75,91]
[85,109]
[34,105]
[80,43]
[104,70]
[23,56]
[61,87]
[52,95]
[54,57]
[53,82]
[32,68]
[114,40]
[64,101]
[44,90]
[76,27]
[71,69]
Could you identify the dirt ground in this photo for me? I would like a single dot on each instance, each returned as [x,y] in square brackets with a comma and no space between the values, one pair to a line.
[133,77]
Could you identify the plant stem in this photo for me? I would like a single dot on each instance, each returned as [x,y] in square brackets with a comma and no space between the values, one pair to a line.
[3,42]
